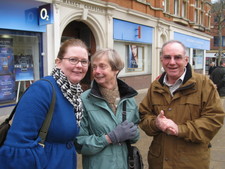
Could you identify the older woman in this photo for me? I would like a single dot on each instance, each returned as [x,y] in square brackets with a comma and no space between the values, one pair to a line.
[103,133]
[21,149]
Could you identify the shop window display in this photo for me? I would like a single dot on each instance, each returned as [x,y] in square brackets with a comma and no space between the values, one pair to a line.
[19,62]
[135,58]
[198,56]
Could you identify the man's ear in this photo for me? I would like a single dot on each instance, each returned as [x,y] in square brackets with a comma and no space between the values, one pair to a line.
[187,59]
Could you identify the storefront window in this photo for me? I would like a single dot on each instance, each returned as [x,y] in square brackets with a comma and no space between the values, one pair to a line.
[135,58]
[19,61]
[137,63]
[198,56]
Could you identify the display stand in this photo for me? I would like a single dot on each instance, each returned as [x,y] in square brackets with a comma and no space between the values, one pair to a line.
[18,88]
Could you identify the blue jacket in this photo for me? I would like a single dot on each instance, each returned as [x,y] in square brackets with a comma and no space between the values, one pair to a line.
[99,120]
[21,149]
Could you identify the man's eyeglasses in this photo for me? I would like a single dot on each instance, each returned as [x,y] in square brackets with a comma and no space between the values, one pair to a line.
[176,57]
[75,61]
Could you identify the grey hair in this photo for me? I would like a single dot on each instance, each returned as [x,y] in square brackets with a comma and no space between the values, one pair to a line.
[113,57]
[170,42]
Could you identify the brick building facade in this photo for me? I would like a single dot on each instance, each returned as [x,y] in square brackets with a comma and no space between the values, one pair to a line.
[212,55]
[118,24]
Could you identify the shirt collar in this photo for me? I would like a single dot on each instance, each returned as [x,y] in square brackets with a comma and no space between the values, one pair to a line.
[181,78]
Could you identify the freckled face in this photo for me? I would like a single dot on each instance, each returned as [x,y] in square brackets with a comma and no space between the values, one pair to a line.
[74,73]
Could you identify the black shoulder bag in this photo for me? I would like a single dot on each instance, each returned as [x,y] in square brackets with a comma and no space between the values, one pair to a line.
[134,155]
[4,127]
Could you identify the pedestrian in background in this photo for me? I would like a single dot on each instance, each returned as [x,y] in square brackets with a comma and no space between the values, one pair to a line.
[21,149]
[218,77]
[212,66]
[103,133]
[182,111]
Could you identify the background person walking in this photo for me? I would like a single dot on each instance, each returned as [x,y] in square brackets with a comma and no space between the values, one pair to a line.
[218,77]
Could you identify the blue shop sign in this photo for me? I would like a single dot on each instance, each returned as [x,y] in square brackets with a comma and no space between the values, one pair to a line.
[45,14]
[24,15]
[128,31]
[192,42]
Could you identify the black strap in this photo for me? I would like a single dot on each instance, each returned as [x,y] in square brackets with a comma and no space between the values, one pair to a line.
[45,126]
[124,115]
[12,113]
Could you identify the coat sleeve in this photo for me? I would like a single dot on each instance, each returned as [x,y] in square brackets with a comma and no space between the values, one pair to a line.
[204,128]
[148,116]
[133,116]
[88,143]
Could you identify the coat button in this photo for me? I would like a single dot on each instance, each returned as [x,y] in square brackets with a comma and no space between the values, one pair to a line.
[166,159]
[69,145]
[170,109]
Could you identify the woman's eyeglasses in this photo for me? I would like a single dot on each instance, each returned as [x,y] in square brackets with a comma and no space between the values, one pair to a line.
[75,61]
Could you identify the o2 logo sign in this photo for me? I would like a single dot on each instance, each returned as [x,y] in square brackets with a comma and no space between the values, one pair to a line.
[45,14]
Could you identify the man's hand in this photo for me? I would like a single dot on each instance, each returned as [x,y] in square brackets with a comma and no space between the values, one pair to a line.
[166,125]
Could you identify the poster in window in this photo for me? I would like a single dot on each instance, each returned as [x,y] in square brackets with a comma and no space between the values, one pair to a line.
[24,67]
[6,56]
[135,58]
[7,88]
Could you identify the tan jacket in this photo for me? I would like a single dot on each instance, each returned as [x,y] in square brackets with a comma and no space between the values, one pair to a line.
[196,108]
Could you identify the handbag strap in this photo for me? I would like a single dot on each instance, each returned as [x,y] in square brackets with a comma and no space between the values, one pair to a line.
[124,115]
[12,113]
[45,126]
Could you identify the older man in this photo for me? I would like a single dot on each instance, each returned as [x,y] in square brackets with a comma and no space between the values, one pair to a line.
[182,111]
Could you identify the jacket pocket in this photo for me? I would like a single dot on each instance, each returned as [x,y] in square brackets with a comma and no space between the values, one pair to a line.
[189,111]
[193,152]
[155,148]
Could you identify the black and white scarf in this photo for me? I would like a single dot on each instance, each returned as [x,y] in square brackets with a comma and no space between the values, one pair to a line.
[70,91]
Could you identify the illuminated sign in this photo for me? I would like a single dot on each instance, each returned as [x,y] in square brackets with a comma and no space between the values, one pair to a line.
[45,14]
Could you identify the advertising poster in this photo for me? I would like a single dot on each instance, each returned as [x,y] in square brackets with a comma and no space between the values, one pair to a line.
[7,88]
[7,77]
[135,58]
[6,56]
[24,67]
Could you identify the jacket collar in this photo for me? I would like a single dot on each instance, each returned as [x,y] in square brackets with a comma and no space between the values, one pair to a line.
[189,82]
[124,90]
